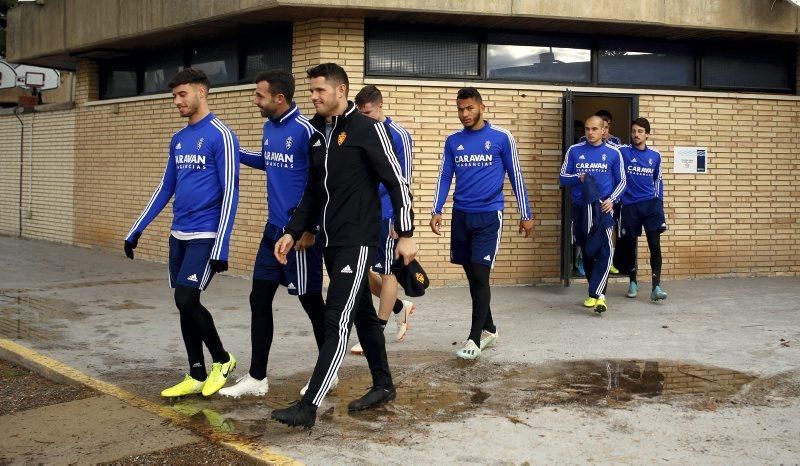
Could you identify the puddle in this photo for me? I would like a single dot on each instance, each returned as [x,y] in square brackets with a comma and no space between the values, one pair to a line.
[127,305]
[435,387]
[35,318]
[71,286]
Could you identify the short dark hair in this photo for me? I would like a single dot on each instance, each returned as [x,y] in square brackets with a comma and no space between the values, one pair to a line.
[189,76]
[280,82]
[469,93]
[331,72]
[604,114]
[369,94]
[643,123]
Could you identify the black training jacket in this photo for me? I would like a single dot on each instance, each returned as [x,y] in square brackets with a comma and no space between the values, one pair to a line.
[342,189]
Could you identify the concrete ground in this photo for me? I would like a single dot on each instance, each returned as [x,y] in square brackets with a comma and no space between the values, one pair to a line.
[711,375]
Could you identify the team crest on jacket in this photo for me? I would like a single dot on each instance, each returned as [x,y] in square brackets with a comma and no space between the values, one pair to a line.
[200,143]
[288,143]
[604,157]
[650,161]
[342,137]
[487,145]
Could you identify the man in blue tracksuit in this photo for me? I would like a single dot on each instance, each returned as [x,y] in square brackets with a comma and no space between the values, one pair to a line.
[382,283]
[203,174]
[604,162]
[479,155]
[643,204]
[284,157]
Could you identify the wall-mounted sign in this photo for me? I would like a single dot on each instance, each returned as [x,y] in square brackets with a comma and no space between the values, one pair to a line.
[690,160]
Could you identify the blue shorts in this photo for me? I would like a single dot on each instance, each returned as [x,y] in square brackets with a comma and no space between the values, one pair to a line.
[475,237]
[302,273]
[384,255]
[189,262]
[648,214]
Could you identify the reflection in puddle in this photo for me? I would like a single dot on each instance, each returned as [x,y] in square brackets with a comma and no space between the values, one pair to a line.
[34,318]
[128,305]
[435,387]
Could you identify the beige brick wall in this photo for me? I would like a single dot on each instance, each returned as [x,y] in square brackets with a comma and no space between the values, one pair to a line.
[9,174]
[48,175]
[739,219]
[743,217]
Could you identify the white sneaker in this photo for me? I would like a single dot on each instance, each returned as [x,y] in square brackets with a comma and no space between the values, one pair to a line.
[470,351]
[357,349]
[246,385]
[488,339]
[333,385]
[401,318]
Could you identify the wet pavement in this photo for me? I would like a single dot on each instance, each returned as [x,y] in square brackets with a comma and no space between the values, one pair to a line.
[710,375]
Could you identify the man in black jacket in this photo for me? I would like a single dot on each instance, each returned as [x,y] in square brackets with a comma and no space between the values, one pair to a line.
[351,155]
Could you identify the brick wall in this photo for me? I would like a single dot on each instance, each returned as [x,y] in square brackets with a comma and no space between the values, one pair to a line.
[9,174]
[739,219]
[47,175]
[743,217]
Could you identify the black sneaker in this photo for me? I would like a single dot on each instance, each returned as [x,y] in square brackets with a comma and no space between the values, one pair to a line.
[374,398]
[302,413]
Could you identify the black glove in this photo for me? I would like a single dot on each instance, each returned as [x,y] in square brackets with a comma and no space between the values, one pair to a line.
[131,245]
[219,266]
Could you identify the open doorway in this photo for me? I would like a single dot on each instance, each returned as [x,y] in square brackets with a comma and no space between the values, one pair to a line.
[577,107]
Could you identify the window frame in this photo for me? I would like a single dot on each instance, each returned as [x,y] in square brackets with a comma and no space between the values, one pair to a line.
[243,42]
[697,48]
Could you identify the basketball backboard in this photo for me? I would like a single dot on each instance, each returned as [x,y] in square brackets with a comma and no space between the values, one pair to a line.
[37,77]
[8,77]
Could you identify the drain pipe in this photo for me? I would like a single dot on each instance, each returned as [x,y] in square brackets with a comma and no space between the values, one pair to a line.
[31,132]
[17,111]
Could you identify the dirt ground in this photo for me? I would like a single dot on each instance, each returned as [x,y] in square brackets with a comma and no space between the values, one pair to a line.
[22,391]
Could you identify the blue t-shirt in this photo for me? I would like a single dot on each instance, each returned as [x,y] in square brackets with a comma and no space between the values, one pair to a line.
[643,173]
[402,143]
[203,173]
[480,159]
[285,157]
[604,162]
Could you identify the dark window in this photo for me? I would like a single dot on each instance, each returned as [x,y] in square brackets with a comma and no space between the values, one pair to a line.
[118,79]
[226,60]
[411,52]
[219,61]
[266,51]
[158,71]
[765,69]
[648,64]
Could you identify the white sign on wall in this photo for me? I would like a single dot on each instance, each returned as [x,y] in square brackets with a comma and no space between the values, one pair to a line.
[690,160]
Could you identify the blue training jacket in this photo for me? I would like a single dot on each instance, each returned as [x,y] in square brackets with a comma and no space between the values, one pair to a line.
[402,148]
[604,162]
[203,173]
[285,157]
[643,173]
[480,160]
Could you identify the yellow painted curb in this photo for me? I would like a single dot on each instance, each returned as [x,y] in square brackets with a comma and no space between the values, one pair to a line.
[36,361]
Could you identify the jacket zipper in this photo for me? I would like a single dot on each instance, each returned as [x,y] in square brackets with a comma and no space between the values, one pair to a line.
[325,181]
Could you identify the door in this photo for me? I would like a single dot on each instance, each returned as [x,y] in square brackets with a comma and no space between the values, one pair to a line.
[576,107]
[566,199]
